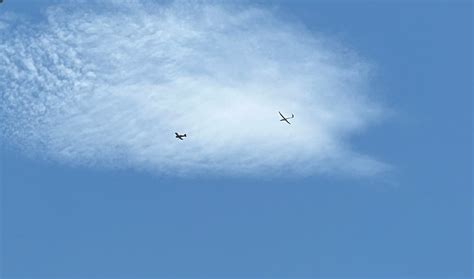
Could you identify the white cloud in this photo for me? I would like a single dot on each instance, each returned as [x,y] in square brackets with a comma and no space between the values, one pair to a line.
[108,84]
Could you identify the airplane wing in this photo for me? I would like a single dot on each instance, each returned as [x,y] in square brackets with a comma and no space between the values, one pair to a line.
[286,120]
[281,114]
[176,134]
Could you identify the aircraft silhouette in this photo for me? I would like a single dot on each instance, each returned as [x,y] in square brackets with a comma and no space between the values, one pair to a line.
[178,136]
[286,118]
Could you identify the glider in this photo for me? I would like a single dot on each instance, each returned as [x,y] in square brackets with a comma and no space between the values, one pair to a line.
[286,118]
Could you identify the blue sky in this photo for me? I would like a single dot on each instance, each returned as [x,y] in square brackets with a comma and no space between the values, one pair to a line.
[391,198]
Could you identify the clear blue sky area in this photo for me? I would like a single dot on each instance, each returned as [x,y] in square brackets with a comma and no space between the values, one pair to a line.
[64,222]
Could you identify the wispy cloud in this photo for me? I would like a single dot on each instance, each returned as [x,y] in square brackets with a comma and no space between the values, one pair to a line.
[108,84]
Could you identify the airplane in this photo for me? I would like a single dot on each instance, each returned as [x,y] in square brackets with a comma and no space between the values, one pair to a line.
[178,136]
[286,118]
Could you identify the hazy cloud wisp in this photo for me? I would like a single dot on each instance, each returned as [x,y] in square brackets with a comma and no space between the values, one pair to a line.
[109,86]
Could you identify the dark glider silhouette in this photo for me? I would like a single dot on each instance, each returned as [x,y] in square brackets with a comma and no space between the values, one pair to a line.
[178,136]
[286,118]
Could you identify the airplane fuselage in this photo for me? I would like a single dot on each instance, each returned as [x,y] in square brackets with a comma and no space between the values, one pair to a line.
[178,136]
